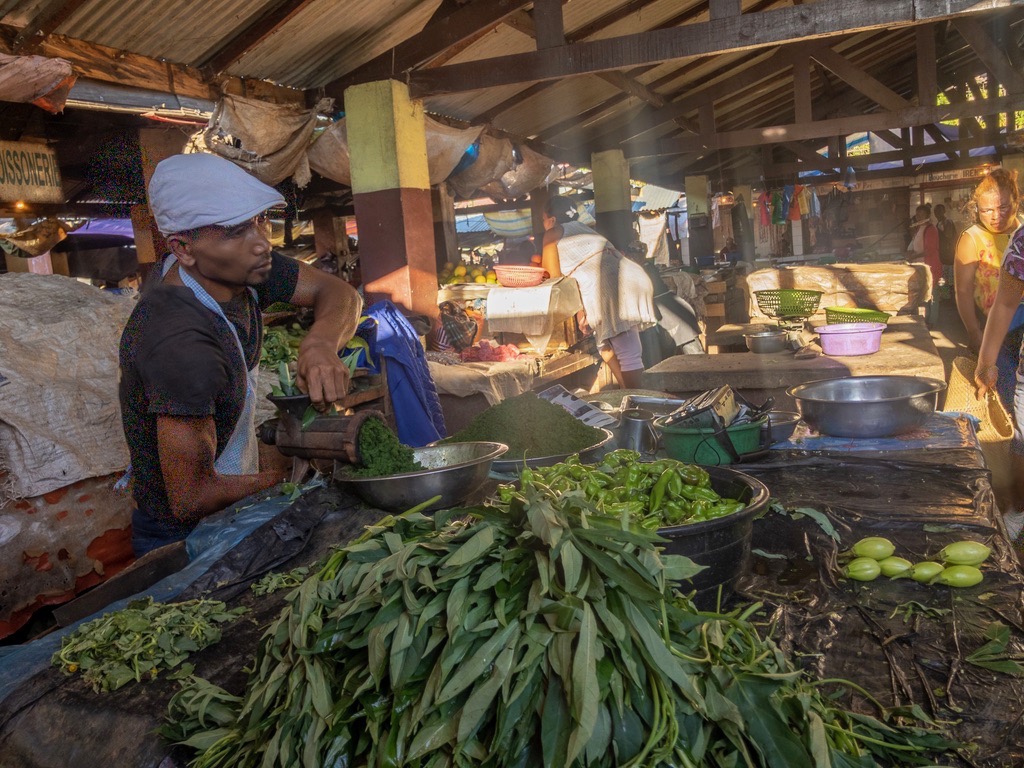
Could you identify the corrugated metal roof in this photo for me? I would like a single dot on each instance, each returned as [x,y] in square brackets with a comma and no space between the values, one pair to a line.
[328,39]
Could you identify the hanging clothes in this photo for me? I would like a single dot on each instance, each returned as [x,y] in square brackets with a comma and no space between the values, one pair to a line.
[764,204]
[795,209]
[778,213]
[787,199]
[716,214]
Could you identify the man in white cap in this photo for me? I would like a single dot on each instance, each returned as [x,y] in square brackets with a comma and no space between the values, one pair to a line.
[191,347]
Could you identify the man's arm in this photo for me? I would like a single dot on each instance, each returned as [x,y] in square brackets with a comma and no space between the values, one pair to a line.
[187,446]
[336,309]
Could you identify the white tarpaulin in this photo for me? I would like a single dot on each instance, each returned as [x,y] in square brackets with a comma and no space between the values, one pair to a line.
[60,421]
[329,154]
[37,80]
[268,140]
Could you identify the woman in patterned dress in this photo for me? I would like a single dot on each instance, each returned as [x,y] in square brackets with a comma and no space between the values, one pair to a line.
[979,255]
[617,295]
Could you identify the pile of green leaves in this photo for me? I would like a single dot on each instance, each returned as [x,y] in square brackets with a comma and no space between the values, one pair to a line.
[652,494]
[382,453]
[537,632]
[141,640]
[530,426]
[281,345]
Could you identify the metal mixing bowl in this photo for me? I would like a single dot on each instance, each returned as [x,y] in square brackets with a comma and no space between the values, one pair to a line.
[515,466]
[767,341]
[454,471]
[867,406]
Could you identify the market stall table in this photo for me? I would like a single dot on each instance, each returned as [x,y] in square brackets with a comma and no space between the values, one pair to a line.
[907,349]
[904,643]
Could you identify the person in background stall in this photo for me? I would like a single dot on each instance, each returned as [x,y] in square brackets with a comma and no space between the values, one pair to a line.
[678,330]
[948,234]
[617,295]
[924,242]
[191,348]
[988,376]
[977,276]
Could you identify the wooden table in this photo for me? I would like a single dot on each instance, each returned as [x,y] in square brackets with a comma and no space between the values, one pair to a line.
[907,349]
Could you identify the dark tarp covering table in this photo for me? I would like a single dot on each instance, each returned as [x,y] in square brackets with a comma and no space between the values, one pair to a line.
[922,498]
[903,642]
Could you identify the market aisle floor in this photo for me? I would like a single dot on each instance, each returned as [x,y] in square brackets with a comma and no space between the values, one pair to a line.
[948,334]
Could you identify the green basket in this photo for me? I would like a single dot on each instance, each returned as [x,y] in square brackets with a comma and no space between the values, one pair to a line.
[788,302]
[835,315]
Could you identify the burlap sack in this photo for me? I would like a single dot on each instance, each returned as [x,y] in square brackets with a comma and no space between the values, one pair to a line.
[996,428]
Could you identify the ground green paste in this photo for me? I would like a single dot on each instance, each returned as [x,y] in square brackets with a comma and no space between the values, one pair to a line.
[382,452]
[530,426]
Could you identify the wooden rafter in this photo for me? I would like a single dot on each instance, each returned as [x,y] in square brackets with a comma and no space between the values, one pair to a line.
[860,80]
[736,33]
[49,17]
[262,26]
[549,26]
[993,57]
[905,118]
[433,40]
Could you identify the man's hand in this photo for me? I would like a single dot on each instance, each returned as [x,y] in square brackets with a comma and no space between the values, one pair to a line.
[320,372]
[336,309]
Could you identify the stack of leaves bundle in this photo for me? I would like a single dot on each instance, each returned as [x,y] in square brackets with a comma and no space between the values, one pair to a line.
[532,632]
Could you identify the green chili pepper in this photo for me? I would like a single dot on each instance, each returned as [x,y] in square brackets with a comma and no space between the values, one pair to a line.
[696,493]
[658,493]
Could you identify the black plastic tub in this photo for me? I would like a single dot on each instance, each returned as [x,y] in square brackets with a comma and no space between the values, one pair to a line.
[723,545]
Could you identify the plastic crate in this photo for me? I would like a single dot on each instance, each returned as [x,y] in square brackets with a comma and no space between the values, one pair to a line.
[788,302]
[838,315]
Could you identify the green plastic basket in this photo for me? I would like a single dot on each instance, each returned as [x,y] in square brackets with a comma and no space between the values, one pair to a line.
[836,315]
[788,302]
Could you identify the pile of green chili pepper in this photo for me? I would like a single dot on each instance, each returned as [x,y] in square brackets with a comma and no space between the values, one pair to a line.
[653,495]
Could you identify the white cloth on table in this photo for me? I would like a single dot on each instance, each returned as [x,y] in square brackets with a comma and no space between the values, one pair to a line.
[616,292]
[533,311]
[495,381]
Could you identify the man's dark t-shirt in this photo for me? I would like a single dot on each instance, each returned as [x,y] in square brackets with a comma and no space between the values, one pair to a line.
[180,359]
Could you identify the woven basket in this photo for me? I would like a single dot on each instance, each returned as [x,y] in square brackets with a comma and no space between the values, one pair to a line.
[836,315]
[996,429]
[788,302]
[516,276]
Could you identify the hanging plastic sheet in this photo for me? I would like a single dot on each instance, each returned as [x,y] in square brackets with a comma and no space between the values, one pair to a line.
[42,81]
[446,147]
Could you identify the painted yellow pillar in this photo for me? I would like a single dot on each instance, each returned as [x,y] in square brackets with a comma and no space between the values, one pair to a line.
[391,192]
[613,199]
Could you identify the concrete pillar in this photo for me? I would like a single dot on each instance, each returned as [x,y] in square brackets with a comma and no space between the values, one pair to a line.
[391,191]
[613,201]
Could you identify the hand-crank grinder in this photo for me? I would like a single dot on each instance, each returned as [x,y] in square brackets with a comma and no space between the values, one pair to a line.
[325,437]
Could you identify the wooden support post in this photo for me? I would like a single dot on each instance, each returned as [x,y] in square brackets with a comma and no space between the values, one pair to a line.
[391,191]
[155,144]
[325,233]
[802,88]
[446,239]
[538,199]
[547,18]
[613,201]
[927,84]
[723,9]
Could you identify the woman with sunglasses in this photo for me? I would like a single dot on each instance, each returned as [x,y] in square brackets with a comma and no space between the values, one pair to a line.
[979,255]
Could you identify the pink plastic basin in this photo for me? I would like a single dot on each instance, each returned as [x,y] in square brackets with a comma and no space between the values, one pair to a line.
[848,339]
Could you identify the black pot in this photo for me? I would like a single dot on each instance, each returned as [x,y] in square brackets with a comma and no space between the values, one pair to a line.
[723,544]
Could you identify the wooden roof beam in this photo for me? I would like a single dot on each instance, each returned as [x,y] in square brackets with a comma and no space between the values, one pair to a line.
[265,23]
[43,24]
[843,126]
[434,39]
[860,80]
[746,31]
[990,54]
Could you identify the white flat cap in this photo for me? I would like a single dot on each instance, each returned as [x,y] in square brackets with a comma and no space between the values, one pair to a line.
[200,190]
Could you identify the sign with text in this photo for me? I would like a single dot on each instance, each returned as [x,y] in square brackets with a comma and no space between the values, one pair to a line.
[29,172]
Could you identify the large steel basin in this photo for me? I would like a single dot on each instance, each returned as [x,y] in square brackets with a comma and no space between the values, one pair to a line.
[867,406]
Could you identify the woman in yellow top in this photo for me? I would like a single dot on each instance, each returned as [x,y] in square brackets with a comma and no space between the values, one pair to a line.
[979,255]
